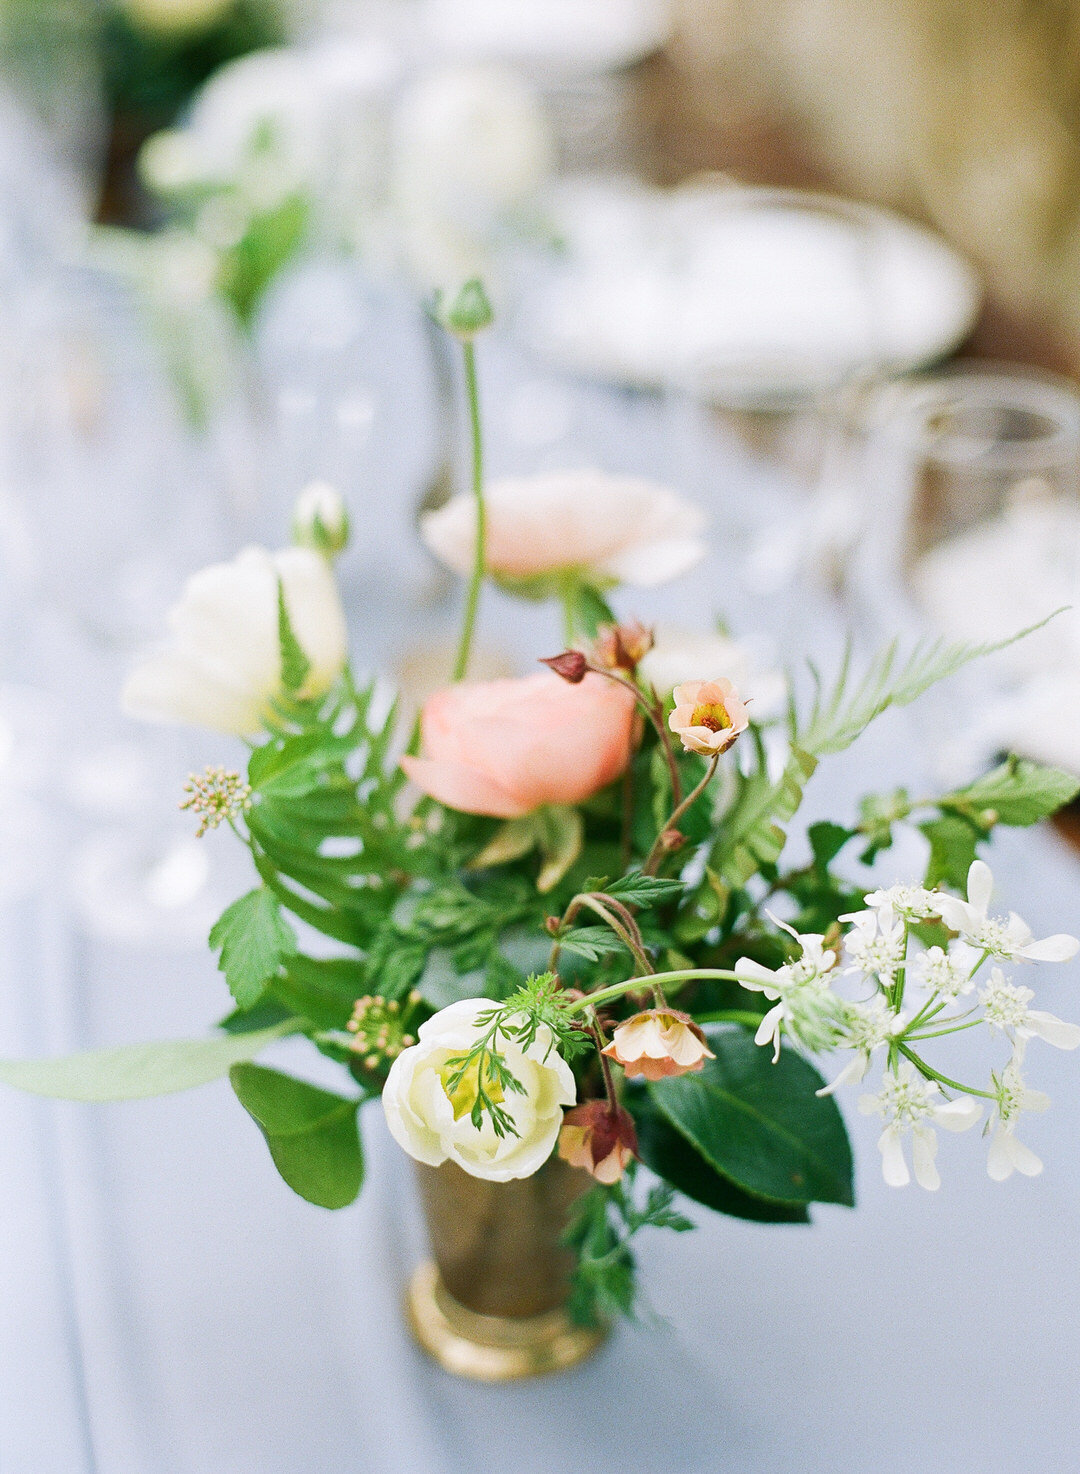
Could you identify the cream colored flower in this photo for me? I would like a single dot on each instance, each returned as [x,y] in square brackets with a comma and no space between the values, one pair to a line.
[222,665]
[320,519]
[434,1125]
[708,716]
[607,529]
[658,1043]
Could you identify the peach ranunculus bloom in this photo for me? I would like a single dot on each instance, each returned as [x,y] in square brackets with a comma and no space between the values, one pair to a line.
[612,529]
[708,716]
[505,748]
[658,1043]
[600,1138]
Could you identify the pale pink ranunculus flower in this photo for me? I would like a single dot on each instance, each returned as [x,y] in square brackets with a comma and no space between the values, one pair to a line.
[613,529]
[708,716]
[505,748]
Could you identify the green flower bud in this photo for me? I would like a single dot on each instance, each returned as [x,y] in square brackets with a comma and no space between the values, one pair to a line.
[320,520]
[468,313]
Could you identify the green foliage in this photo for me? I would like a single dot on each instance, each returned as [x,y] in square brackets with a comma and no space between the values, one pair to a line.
[635,889]
[672,1158]
[760,1125]
[603,1222]
[1017,793]
[312,1134]
[255,940]
[269,243]
[591,942]
[556,830]
[294,663]
[952,849]
[136,1071]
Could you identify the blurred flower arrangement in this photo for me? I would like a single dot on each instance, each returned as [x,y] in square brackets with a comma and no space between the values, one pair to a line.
[556,919]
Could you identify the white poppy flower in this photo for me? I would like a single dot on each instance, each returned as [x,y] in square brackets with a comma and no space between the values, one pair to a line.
[435,1126]
[607,529]
[1009,940]
[906,1102]
[1006,1006]
[1006,1154]
[221,668]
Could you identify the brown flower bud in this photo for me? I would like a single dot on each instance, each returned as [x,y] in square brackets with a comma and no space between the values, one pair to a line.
[622,646]
[571,665]
[672,839]
[599,1137]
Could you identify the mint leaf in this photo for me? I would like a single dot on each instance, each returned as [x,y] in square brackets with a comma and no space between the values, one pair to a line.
[255,939]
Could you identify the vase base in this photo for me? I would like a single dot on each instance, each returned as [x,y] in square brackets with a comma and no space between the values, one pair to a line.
[492,1348]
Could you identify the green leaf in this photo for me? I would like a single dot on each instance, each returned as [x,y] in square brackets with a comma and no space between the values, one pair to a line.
[590,942]
[136,1071]
[672,1157]
[1016,793]
[294,663]
[591,610]
[751,834]
[255,939]
[636,889]
[321,989]
[826,841]
[312,1134]
[760,1124]
[952,849]
[562,833]
[513,839]
[839,717]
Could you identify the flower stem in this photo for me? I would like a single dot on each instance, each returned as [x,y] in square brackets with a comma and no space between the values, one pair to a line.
[664,979]
[929,1073]
[656,854]
[472,599]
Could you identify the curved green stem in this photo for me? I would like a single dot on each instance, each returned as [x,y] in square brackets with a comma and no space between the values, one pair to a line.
[929,1073]
[472,599]
[660,979]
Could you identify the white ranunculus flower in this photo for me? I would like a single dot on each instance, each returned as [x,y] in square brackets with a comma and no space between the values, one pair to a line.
[611,529]
[321,519]
[222,665]
[435,1129]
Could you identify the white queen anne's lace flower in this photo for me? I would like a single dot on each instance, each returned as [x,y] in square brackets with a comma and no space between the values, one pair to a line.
[805,1003]
[876,944]
[1006,1006]
[866,1027]
[947,974]
[1007,940]
[1007,1155]
[909,1104]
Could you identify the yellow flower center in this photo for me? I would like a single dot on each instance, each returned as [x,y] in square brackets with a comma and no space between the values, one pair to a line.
[712,715]
[466,1092]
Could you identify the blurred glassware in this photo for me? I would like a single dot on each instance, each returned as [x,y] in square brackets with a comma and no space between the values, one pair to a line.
[974,530]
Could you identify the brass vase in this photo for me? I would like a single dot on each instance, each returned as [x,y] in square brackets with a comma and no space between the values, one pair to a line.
[491,1303]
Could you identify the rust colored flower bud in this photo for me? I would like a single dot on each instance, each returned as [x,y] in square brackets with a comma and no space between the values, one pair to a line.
[599,1137]
[658,1043]
[672,839]
[571,665]
[551,925]
[622,646]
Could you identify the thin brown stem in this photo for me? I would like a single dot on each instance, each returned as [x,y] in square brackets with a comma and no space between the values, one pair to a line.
[654,710]
[656,854]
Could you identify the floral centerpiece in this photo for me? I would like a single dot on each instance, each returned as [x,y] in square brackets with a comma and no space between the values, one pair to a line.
[553,931]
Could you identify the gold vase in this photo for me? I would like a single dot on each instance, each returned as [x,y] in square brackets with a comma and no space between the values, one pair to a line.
[491,1303]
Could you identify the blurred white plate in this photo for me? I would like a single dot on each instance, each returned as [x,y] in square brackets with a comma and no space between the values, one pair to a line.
[658,287]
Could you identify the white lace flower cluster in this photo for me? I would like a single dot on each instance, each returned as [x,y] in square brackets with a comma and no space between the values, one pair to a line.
[944,994]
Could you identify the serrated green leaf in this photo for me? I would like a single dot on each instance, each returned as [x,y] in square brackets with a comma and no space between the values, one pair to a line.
[760,1124]
[255,939]
[590,942]
[294,663]
[636,889]
[137,1071]
[312,1134]
[1017,793]
[672,1157]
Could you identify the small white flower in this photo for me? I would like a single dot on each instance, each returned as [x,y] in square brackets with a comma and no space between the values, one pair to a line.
[866,1026]
[1007,940]
[1007,1155]
[876,944]
[1006,1006]
[947,974]
[805,1003]
[906,902]
[320,519]
[907,1103]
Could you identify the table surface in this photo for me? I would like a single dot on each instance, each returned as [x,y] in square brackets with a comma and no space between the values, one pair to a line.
[168,1307]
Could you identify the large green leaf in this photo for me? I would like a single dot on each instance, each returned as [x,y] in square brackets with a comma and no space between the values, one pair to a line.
[760,1124]
[1016,793]
[312,1134]
[255,939]
[135,1071]
[672,1157]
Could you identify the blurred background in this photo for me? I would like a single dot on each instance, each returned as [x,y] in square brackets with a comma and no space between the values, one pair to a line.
[815,263]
